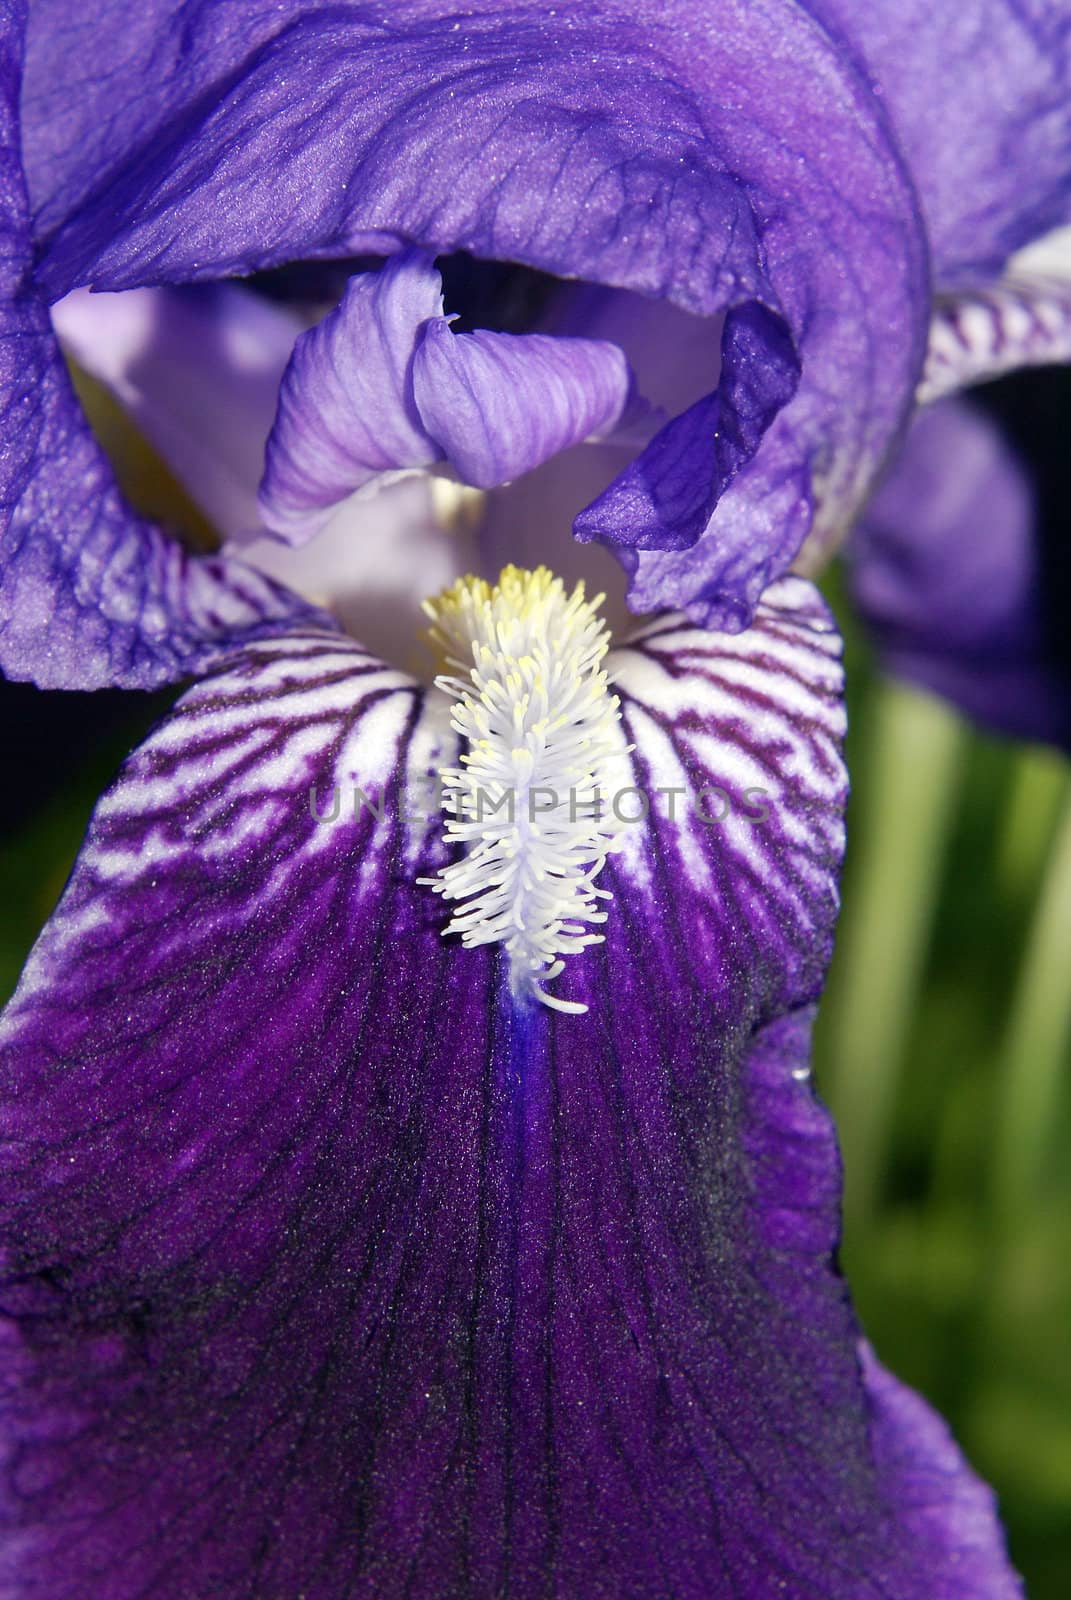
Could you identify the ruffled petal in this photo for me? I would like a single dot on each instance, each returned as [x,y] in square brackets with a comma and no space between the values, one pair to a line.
[89,594]
[946,572]
[978,96]
[495,137]
[382,385]
[330,1272]
[941,1499]
[665,500]
[715,158]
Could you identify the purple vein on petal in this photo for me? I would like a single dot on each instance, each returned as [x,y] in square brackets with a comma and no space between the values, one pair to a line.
[330,1270]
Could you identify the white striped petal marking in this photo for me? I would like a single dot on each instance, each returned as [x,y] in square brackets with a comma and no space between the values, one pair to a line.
[735,740]
[754,719]
[718,759]
[1021,322]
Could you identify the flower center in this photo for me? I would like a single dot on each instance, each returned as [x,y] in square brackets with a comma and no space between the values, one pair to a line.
[532,701]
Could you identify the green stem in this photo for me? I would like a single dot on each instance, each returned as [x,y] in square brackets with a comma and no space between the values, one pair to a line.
[913,767]
[1037,1044]
[1038,788]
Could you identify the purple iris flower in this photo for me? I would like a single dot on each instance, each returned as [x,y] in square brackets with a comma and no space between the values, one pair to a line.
[949,565]
[345,1258]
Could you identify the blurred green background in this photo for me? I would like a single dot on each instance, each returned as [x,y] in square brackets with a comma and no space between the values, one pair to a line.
[944,1048]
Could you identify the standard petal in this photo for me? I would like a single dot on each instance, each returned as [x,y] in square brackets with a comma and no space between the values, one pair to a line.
[711,155]
[946,571]
[331,1273]
[980,96]
[89,594]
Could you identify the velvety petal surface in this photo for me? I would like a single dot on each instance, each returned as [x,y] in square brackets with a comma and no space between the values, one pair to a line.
[938,1500]
[716,155]
[89,593]
[946,572]
[330,1272]
[382,385]
[980,97]
[666,498]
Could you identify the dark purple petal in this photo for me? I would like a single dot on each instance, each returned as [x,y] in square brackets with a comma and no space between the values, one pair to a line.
[715,156]
[382,385]
[979,93]
[756,718]
[667,493]
[940,1499]
[330,1273]
[89,594]
[945,571]
[769,507]
[337,134]
[666,498]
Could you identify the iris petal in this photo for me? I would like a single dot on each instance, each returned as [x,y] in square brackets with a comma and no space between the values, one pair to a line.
[979,96]
[346,408]
[665,500]
[89,593]
[748,727]
[714,157]
[947,570]
[382,385]
[1018,322]
[330,1271]
[501,404]
[939,1500]
[197,369]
